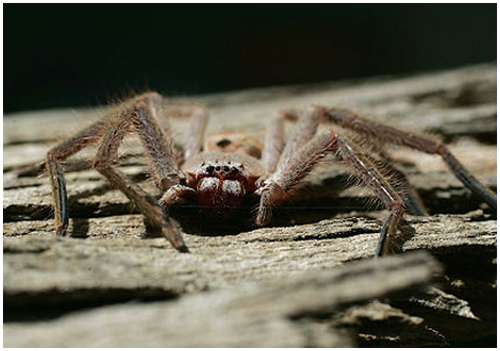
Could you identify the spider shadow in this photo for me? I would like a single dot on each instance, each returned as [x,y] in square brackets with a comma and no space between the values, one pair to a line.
[85,211]
[80,228]
[204,225]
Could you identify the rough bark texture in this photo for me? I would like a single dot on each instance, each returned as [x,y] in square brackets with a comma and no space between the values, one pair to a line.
[295,283]
[251,315]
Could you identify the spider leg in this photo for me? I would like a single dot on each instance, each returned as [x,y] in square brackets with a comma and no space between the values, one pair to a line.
[136,115]
[198,115]
[278,186]
[197,127]
[306,128]
[276,152]
[412,199]
[40,167]
[55,156]
[307,125]
[177,194]
[273,144]
[140,115]
[395,136]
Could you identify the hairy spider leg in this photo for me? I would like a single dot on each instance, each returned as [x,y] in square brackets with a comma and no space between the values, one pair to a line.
[411,197]
[55,156]
[277,154]
[307,126]
[177,194]
[198,115]
[196,135]
[199,118]
[413,201]
[273,144]
[136,115]
[351,120]
[275,189]
[304,131]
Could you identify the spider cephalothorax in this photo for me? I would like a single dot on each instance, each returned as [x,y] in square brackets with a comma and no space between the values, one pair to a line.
[222,180]
[219,175]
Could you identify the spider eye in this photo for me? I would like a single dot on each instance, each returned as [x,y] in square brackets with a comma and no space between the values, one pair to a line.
[234,170]
[223,142]
[226,169]
[210,169]
[217,168]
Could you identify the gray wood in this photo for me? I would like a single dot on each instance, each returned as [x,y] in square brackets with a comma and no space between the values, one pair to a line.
[245,316]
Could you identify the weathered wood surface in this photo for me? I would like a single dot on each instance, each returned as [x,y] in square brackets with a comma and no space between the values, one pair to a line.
[323,230]
[272,314]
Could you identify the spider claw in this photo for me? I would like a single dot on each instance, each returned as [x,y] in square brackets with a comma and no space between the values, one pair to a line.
[61,230]
[175,238]
[179,244]
[183,248]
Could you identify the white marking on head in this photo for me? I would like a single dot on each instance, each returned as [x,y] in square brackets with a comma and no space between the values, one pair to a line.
[233,187]
[208,184]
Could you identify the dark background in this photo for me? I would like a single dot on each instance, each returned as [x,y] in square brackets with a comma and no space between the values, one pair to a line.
[62,55]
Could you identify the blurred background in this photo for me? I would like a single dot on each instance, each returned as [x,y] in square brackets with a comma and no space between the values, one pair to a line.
[66,55]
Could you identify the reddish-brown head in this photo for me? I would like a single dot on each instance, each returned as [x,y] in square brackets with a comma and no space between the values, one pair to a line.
[221,186]
[222,180]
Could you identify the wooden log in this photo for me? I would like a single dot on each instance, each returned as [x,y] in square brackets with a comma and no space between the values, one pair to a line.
[270,314]
[321,231]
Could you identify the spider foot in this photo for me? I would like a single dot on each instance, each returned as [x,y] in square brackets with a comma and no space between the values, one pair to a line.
[271,194]
[172,233]
[62,230]
[155,233]
[393,244]
[175,238]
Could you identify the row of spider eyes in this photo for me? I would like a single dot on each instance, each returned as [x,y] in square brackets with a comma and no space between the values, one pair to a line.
[234,169]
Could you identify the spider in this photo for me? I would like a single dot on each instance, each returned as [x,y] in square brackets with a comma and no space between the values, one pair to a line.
[220,177]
